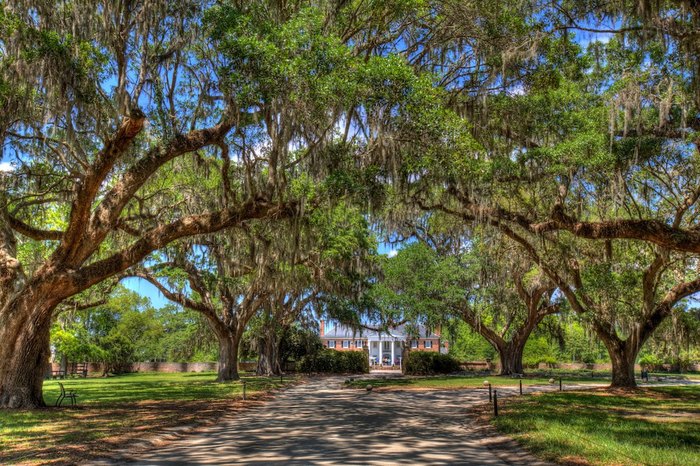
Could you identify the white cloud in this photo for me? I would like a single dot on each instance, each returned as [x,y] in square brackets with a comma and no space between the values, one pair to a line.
[392,253]
[517,89]
[6,167]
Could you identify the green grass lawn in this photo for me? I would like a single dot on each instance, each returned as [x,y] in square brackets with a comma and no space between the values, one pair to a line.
[651,426]
[457,382]
[153,386]
[114,410]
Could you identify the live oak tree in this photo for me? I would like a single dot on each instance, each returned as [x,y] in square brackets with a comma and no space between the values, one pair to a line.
[510,300]
[573,145]
[333,258]
[481,280]
[225,279]
[101,104]
[102,113]
[282,309]
[267,273]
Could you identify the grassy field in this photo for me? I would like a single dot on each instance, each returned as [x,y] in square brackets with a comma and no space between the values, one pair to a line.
[115,410]
[456,382]
[650,426]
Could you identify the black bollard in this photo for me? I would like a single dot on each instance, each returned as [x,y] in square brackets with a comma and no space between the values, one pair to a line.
[490,397]
[560,384]
[521,387]
[244,390]
[495,403]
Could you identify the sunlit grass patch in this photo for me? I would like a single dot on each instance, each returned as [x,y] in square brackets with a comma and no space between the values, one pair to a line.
[458,382]
[113,410]
[655,426]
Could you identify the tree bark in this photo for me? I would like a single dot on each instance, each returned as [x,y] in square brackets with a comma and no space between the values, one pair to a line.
[623,354]
[24,353]
[269,358]
[64,363]
[229,343]
[511,356]
[623,368]
[510,352]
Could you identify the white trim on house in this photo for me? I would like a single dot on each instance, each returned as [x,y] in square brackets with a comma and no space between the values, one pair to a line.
[384,347]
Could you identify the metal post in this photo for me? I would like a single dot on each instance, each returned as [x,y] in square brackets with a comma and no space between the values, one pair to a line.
[244,390]
[560,384]
[495,403]
[521,387]
[281,378]
[490,397]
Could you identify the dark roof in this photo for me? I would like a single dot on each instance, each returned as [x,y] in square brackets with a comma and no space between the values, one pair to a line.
[340,331]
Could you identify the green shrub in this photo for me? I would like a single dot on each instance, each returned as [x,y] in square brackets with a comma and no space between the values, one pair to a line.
[650,361]
[538,350]
[430,362]
[335,362]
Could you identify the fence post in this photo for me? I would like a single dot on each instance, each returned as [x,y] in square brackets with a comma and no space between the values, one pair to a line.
[244,390]
[490,397]
[521,387]
[495,403]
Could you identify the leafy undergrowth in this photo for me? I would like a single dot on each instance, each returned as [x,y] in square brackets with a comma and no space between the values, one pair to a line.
[650,426]
[113,412]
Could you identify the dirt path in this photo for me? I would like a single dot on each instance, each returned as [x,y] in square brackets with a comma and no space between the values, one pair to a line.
[320,423]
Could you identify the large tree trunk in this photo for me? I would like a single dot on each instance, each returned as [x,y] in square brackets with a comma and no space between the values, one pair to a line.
[229,342]
[622,359]
[623,369]
[24,352]
[623,354]
[511,356]
[269,358]
[64,363]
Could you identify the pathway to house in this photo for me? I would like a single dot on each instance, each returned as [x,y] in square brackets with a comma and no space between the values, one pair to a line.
[320,423]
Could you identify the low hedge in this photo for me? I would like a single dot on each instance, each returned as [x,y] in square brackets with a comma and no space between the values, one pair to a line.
[430,362]
[335,362]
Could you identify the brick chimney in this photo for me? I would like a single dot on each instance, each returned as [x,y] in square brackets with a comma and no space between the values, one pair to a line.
[323,327]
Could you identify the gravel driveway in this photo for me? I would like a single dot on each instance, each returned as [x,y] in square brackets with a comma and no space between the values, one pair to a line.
[320,423]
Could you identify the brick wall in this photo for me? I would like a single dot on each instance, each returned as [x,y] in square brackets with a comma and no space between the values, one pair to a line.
[159,367]
[421,345]
[171,367]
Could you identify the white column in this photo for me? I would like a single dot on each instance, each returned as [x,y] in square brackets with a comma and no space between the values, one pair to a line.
[380,351]
[393,344]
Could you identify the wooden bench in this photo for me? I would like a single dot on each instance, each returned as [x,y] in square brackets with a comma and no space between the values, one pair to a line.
[58,374]
[64,394]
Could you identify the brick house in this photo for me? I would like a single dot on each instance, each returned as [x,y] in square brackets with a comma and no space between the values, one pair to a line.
[384,348]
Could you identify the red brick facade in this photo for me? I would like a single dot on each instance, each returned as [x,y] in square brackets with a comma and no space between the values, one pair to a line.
[339,344]
[343,343]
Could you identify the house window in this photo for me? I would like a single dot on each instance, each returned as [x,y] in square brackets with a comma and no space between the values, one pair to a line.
[414,344]
[331,343]
[386,346]
[428,343]
[346,344]
[358,343]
